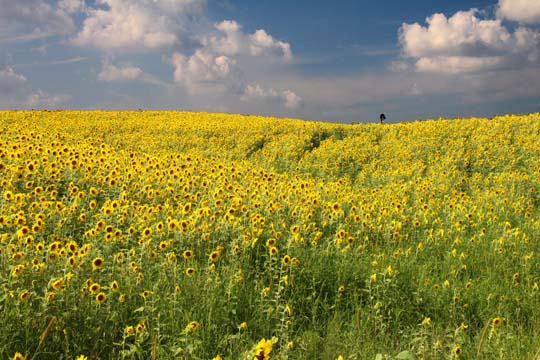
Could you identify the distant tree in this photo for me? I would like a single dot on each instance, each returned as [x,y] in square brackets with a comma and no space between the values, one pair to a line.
[382,117]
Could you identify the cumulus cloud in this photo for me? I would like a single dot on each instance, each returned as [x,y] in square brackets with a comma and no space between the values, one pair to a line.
[525,11]
[205,72]
[216,65]
[230,40]
[41,99]
[32,19]
[17,92]
[136,24]
[457,64]
[466,43]
[72,6]
[110,72]
[260,43]
[7,74]
[256,93]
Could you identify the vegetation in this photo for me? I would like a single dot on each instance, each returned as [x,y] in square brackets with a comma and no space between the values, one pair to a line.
[170,235]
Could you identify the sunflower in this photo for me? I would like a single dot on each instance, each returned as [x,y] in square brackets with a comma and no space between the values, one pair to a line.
[140,327]
[188,254]
[101,298]
[94,288]
[456,352]
[98,263]
[24,295]
[58,284]
[193,326]
[497,322]
[114,285]
[129,330]
[190,271]
[145,294]
[263,350]
[286,260]
[50,296]
[214,256]
[19,356]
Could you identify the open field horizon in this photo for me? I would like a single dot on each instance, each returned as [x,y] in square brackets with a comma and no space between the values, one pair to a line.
[181,235]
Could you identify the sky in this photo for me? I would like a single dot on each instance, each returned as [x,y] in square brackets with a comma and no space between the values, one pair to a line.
[338,61]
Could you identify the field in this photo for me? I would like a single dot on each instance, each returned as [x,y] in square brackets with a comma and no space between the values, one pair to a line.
[171,235]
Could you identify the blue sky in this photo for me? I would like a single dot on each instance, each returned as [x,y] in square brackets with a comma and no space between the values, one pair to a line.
[343,61]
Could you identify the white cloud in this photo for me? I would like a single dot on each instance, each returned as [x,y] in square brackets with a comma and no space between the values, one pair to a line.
[32,19]
[231,40]
[72,6]
[202,66]
[398,65]
[217,64]
[525,11]
[110,72]
[16,92]
[136,24]
[41,99]
[466,43]
[256,93]
[292,101]
[260,43]
[9,75]
[457,64]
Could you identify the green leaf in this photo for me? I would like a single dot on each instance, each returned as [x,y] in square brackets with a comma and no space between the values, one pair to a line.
[405,355]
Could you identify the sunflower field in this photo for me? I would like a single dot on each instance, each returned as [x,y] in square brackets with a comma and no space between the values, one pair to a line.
[176,235]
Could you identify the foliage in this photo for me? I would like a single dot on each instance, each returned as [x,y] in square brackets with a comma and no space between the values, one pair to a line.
[167,235]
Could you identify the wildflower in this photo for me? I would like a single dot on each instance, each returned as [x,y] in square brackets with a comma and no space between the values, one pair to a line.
[24,295]
[497,322]
[188,254]
[243,325]
[456,352]
[262,350]
[19,356]
[426,321]
[94,288]
[98,263]
[50,296]
[214,256]
[101,298]
[193,326]
[286,260]
[114,285]
[273,251]
[145,294]
[58,284]
[341,289]
[17,270]
[140,327]
[81,357]
[129,331]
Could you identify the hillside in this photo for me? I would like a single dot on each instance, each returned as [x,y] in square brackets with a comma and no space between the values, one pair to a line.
[175,235]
